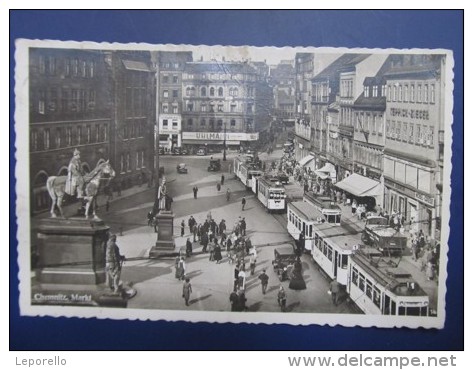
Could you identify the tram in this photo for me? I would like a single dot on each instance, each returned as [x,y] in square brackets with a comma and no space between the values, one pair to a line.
[237,163]
[271,193]
[378,286]
[301,218]
[331,212]
[247,172]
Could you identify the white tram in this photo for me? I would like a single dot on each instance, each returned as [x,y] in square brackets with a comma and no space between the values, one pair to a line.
[331,212]
[377,286]
[237,163]
[301,217]
[271,193]
[247,172]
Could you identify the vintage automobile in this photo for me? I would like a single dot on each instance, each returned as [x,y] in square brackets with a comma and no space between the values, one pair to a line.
[283,263]
[181,168]
[282,177]
[214,165]
[201,151]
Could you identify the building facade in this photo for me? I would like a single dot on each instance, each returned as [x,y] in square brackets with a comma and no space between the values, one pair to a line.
[169,68]
[219,104]
[282,80]
[69,108]
[413,156]
[132,82]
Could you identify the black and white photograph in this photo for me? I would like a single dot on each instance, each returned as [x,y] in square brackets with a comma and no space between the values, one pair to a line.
[233,184]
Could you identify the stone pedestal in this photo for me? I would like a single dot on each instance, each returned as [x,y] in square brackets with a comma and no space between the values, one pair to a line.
[71,251]
[165,241]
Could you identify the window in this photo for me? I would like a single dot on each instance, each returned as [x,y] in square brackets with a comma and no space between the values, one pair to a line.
[412,97]
[41,102]
[58,137]
[175,93]
[369,289]
[354,276]
[419,93]
[212,123]
[432,94]
[232,123]
[69,136]
[165,93]
[383,90]
[404,132]
[137,160]
[377,297]
[203,107]
[79,135]
[233,108]
[410,134]
[52,66]
[67,67]
[174,109]
[165,123]
[174,124]
[202,122]
[52,102]
[165,79]
[389,93]
[165,108]
[203,91]
[366,91]
[212,91]
[375,91]
[190,122]
[406,93]
[46,138]
[426,93]
[211,108]
[220,107]
[190,107]
[400,92]
[75,67]
[91,69]
[42,65]
[143,153]
[394,93]
[128,168]
[89,134]
[361,282]
[83,68]
[34,140]
[175,79]
[122,163]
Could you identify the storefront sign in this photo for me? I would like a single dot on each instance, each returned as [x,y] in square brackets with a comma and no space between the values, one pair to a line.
[425,199]
[219,136]
[410,113]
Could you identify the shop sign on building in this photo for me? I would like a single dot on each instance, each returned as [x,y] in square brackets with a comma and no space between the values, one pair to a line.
[219,136]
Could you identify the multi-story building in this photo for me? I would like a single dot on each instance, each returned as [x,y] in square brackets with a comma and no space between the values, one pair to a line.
[132,82]
[69,107]
[330,144]
[169,68]
[282,80]
[219,98]
[413,156]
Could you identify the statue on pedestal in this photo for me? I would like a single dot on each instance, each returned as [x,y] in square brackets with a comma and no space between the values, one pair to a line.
[75,179]
[163,199]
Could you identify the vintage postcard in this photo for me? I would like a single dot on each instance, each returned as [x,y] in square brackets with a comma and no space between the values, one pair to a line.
[233,184]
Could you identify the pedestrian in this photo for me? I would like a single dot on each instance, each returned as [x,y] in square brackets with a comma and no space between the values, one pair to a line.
[182,227]
[242,278]
[188,247]
[264,281]
[186,291]
[195,189]
[181,269]
[242,300]
[282,298]
[204,240]
[211,250]
[252,265]
[191,223]
[113,264]
[243,202]
[334,290]
[234,300]
[222,180]
[150,218]
[217,253]
[415,248]
[222,227]
[218,186]
[228,194]
[243,226]
[194,231]
[155,224]
[353,207]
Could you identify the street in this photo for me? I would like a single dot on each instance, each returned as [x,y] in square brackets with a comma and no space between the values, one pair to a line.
[212,283]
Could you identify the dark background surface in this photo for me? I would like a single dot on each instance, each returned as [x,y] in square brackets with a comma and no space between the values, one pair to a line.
[367,29]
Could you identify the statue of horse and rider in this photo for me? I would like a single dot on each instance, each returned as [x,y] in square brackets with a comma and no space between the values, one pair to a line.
[86,186]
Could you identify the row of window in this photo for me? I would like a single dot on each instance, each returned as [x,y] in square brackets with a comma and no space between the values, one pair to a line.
[63,137]
[72,67]
[203,122]
[417,134]
[204,107]
[300,225]
[368,122]
[412,93]
[346,88]
[409,175]
[135,101]
[365,285]
[125,161]
[232,91]
[373,91]
[368,156]
[220,76]
[65,100]
[134,129]
[167,79]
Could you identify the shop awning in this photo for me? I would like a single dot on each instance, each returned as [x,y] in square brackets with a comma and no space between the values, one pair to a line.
[360,186]
[306,160]
[328,170]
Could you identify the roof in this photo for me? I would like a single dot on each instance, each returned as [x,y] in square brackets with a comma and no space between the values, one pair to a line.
[134,65]
[378,103]
[306,210]
[219,67]
[360,186]
[343,64]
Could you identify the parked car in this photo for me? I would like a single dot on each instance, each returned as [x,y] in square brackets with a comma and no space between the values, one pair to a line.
[201,151]
[181,168]
[214,165]
[284,258]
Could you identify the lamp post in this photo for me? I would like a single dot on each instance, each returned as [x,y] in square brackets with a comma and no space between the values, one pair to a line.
[225,141]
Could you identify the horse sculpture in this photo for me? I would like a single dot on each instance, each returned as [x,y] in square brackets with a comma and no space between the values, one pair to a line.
[56,187]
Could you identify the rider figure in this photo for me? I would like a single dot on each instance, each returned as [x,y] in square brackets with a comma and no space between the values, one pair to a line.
[75,180]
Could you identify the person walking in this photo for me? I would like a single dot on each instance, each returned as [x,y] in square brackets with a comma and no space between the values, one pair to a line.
[219,186]
[234,300]
[113,264]
[243,203]
[335,291]
[195,189]
[252,265]
[191,223]
[204,240]
[243,226]
[188,248]
[222,180]
[264,281]
[194,231]
[228,194]
[222,227]
[181,269]
[182,227]
[282,298]
[217,253]
[150,218]
[186,291]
